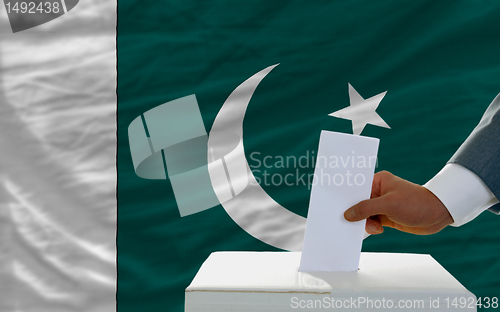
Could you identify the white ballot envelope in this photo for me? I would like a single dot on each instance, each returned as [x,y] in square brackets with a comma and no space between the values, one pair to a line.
[343,177]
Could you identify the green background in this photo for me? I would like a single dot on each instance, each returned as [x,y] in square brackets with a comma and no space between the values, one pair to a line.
[439,61]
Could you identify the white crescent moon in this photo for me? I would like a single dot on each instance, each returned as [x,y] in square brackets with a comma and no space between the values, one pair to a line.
[242,197]
[248,204]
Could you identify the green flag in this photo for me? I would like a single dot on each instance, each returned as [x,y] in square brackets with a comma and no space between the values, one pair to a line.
[439,62]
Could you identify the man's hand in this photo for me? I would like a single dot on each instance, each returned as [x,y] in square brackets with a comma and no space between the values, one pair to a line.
[402,205]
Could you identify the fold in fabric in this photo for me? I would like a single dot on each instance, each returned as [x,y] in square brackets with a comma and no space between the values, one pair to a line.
[57,171]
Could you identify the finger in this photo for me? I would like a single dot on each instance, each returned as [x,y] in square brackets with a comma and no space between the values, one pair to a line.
[373,226]
[408,229]
[376,186]
[386,221]
[379,179]
[367,208]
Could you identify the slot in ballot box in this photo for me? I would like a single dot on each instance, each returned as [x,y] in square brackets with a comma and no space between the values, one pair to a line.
[271,282]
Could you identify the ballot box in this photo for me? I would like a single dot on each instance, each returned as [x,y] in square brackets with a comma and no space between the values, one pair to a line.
[271,282]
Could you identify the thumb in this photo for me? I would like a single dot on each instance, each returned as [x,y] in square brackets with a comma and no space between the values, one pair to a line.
[366,209]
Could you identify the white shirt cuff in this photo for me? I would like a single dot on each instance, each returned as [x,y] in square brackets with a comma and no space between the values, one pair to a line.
[462,192]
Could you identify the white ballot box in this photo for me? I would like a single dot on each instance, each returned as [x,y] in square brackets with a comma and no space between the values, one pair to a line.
[271,282]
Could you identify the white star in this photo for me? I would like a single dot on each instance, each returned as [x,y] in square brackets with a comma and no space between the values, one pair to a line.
[361,111]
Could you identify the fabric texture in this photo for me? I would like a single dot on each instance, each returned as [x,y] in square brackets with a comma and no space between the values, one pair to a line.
[480,153]
[438,61]
[57,163]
